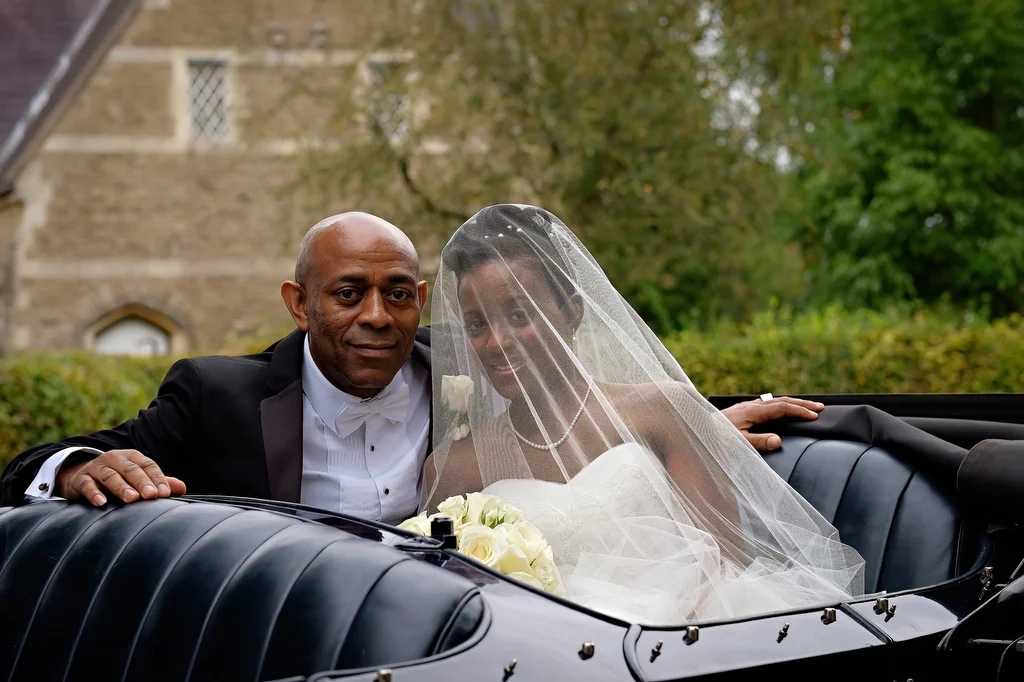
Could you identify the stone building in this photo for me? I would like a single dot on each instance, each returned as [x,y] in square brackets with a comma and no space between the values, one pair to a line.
[147,151]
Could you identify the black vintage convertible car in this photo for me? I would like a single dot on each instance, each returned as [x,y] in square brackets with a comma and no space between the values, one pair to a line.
[929,489]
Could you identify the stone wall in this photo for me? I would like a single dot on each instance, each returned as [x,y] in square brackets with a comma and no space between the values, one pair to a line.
[123,208]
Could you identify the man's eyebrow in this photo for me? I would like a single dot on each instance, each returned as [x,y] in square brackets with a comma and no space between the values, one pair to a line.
[401,279]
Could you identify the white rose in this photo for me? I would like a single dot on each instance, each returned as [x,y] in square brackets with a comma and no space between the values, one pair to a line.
[513,538]
[417,524]
[527,578]
[455,391]
[482,544]
[511,514]
[514,561]
[454,508]
[544,570]
[532,542]
[494,517]
[477,505]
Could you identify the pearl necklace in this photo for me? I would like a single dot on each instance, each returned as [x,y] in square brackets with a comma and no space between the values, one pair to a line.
[561,440]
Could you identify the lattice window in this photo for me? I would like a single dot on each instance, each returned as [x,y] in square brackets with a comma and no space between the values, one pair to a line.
[208,99]
[389,107]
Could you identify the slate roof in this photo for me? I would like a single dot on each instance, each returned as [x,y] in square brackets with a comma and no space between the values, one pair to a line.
[46,50]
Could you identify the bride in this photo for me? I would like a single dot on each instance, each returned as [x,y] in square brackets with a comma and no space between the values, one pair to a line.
[657,509]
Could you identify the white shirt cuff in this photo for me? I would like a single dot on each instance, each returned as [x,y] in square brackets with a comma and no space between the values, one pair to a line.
[42,486]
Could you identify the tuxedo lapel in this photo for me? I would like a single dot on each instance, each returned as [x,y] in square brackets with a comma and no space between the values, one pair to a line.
[281,413]
[281,419]
[421,354]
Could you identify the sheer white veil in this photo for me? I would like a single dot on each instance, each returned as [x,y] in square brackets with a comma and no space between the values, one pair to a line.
[564,371]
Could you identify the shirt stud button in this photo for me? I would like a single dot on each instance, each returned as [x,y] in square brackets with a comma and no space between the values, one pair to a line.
[44,486]
[371,448]
[387,491]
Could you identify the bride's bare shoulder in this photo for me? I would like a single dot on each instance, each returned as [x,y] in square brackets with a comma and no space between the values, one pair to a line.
[633,397]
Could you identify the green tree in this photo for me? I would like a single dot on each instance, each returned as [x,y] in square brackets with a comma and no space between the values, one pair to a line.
[914,176]
[615,115]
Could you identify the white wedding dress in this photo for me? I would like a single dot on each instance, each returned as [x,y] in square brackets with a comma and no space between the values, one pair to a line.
[622,551]
[525,322]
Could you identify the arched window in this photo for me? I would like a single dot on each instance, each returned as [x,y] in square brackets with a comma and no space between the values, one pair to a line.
[133,336]
[135,330]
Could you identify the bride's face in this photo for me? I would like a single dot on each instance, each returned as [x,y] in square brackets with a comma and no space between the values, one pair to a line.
[516,327]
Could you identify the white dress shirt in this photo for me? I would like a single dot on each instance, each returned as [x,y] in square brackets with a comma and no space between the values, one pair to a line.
[372,472]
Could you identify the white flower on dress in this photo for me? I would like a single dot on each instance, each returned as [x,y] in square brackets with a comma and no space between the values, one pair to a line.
[455,392]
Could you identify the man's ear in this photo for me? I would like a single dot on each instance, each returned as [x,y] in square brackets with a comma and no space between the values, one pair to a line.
[294,296]
[421,293]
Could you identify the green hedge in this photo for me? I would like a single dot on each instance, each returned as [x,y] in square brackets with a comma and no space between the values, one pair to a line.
[49,397]
[46,397]
[834,351]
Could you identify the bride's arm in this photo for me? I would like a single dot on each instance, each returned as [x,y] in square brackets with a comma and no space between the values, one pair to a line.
[459,475]
[706,489]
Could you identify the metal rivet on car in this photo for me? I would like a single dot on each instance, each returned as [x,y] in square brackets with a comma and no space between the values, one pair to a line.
[987,578]
[587,650]
[510,668]
[783,632]
[881,605]
[384,675]
[692,634]
[890,613]
[656,651]
[828,616]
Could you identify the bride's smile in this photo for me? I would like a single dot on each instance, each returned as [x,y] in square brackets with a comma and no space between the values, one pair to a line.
[515,321]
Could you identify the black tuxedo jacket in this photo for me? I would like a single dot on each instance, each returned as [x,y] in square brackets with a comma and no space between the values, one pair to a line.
[224,425]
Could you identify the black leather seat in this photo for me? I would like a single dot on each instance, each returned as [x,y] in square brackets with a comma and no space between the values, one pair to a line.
[910,532]
[178,590]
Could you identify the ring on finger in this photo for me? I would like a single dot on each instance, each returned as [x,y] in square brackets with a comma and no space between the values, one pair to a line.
[765,397]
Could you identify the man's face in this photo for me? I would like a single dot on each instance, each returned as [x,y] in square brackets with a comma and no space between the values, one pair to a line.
[363,308]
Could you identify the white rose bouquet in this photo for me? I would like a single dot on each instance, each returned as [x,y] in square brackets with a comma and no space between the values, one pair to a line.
[498,536]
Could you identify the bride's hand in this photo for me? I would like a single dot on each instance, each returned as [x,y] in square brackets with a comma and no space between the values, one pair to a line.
[748,414]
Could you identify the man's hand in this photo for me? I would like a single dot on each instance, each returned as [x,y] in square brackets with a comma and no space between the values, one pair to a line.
[128,474]
[748,414]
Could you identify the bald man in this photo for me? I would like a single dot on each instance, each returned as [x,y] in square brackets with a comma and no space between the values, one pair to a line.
[335,415]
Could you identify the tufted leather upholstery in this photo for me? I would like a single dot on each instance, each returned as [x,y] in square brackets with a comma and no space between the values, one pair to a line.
[910,532]
[175,590]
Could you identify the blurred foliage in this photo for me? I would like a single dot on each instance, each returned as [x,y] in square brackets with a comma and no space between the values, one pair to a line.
[713,155]
[611,114]
[833,351]
[48,397]
[914,174]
